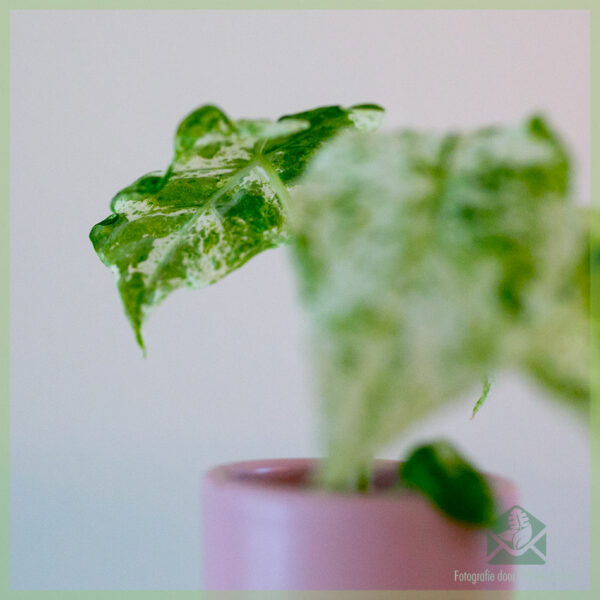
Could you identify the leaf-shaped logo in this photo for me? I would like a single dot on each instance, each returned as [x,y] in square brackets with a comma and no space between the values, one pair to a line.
[520,532]
[517,537]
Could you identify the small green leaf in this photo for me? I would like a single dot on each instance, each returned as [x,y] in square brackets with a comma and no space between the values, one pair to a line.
[440,473]
[223,199]
[487,384]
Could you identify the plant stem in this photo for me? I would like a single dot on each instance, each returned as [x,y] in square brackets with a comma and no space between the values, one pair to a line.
[364,481]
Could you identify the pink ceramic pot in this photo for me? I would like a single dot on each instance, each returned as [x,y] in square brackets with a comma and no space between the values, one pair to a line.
[266,529]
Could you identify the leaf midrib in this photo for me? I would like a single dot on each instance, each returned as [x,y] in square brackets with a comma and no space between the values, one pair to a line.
[260,161]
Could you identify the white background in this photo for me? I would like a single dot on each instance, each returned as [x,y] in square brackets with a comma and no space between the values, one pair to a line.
[107,449]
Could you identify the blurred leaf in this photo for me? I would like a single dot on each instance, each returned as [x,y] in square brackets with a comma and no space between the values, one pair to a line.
[440,473]
[427,262]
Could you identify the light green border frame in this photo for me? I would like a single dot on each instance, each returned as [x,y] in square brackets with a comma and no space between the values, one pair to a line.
[5,591]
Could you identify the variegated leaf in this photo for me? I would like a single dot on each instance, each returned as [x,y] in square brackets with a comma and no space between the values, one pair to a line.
[222,200]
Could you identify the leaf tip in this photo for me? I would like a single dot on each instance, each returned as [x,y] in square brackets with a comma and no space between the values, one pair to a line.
[368,106]
[366,117]
[487,385]
[140,341]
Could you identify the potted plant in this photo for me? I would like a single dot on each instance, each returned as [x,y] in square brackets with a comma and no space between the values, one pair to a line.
[426,262]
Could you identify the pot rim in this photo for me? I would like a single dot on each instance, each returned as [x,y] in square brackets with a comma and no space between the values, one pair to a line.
[285,479]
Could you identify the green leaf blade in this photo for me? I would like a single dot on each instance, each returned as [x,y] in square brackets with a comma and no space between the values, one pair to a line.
[453,485]
[290,156]
[221,201]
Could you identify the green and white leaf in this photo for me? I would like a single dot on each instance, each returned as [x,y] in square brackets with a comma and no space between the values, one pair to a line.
[429,261]
[222,200]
